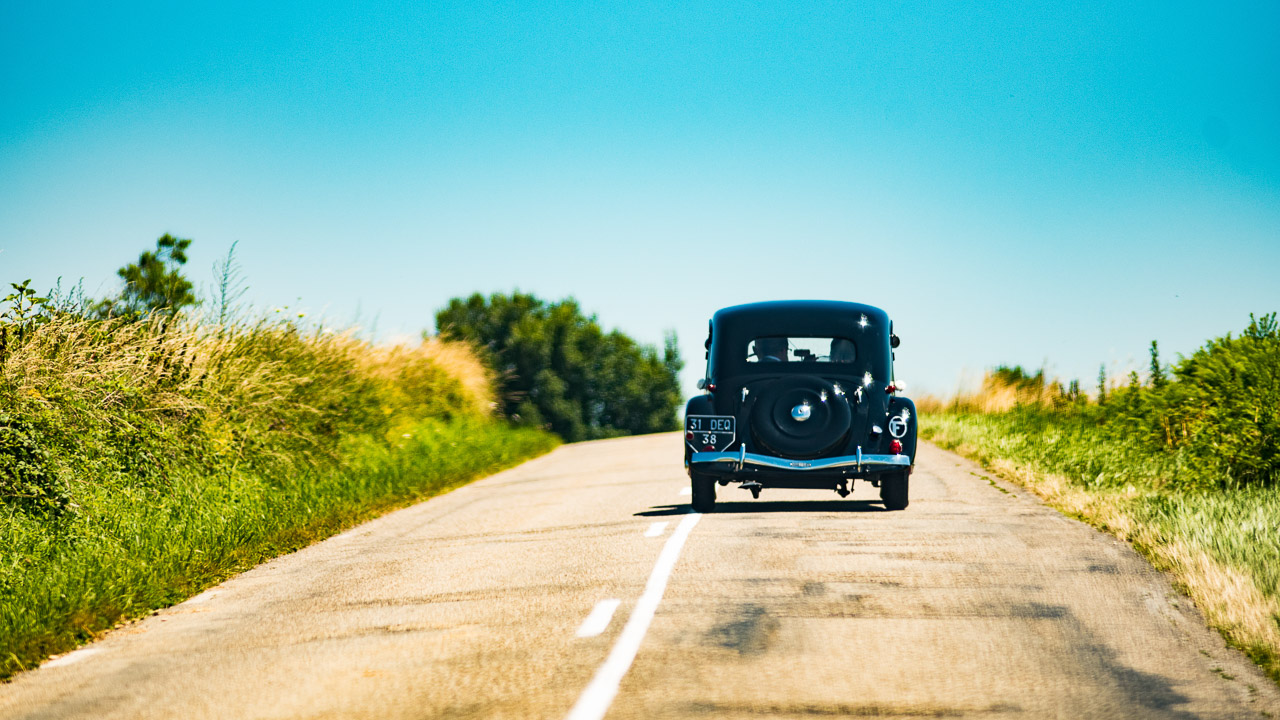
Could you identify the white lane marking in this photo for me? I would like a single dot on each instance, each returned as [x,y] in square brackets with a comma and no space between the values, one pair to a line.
[656,529]
[599,618]
[598,695]
[686,490]
[72,657]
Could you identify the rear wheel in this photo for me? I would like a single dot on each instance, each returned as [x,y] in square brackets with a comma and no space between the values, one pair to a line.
[704,493]
[893,491]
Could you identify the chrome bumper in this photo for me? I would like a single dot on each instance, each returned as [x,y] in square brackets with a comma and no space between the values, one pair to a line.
[742,459]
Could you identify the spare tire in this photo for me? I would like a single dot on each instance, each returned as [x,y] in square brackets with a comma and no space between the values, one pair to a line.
[800,417]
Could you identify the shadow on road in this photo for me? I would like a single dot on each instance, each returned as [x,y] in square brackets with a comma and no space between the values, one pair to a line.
[728,508]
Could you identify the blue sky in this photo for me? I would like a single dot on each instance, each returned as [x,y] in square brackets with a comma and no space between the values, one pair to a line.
[1055,184]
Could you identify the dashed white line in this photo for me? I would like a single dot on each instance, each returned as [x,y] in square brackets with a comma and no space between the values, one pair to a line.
[656,529]
[599,693]
[599,618]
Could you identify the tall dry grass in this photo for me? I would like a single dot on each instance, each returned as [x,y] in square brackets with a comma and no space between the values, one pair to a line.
[142,461]
[998,392]
[457,359]
[185,366]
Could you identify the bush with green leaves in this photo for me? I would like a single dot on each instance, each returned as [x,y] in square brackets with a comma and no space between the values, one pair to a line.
[557,368]
[1212,419]
[27,478]
[1224,407]
[22,312]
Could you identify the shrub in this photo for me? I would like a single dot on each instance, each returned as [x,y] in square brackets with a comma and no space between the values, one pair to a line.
[27,481]
[1217,419]
[1224,408]
[557,368]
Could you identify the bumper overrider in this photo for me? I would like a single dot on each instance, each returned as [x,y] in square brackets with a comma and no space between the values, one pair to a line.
[727,462]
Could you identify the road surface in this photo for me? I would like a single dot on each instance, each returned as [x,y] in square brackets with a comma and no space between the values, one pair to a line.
[580,585]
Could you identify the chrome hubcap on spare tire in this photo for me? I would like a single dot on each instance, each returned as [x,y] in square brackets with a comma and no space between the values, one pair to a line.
[800,417]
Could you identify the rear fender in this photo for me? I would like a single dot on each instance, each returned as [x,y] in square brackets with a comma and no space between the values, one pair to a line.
[900,407]
[701,405]
[698,405]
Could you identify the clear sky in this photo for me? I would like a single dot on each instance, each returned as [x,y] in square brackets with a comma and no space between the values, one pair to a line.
[1012,182]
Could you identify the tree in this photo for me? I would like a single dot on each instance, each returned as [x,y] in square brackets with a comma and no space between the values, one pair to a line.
[1158,379]
[559,369]
[155,284]
[1224,405]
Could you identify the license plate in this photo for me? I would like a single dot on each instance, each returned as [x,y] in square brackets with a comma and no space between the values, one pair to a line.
[709,432]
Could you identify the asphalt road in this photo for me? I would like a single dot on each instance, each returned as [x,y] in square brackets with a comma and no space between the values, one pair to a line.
[580,583]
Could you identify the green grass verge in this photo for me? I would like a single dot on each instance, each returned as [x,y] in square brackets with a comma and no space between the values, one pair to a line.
[1220,545]
[131,549]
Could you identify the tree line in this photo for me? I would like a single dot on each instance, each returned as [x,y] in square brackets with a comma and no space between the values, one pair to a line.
[558,368]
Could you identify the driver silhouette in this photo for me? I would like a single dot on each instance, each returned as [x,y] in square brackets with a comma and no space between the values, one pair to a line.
[771,349]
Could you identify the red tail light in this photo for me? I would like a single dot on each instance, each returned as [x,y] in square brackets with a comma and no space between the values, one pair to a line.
[689,436]
[896,447]
[709,448]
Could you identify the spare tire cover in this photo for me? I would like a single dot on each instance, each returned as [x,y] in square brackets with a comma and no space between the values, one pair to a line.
[775,428]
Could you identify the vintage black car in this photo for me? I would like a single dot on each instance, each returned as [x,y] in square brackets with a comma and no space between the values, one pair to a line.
[800,394]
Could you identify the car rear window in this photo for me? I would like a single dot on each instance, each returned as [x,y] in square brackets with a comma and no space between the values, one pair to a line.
[780,348]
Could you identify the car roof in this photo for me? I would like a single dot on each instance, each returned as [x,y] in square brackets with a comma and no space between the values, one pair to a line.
[734,327]
[812,313]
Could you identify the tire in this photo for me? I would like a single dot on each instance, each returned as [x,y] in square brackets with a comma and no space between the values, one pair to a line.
[704,494]
[893,491]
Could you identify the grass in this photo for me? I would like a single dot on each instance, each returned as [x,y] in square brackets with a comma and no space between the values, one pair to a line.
[142,462]
[1221,546]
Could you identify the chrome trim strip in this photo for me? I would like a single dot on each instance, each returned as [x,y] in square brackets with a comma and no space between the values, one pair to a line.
[743,458]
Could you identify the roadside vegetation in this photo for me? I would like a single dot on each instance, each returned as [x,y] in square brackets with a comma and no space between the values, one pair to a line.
[150,448]
[558,369]
[1183,462]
